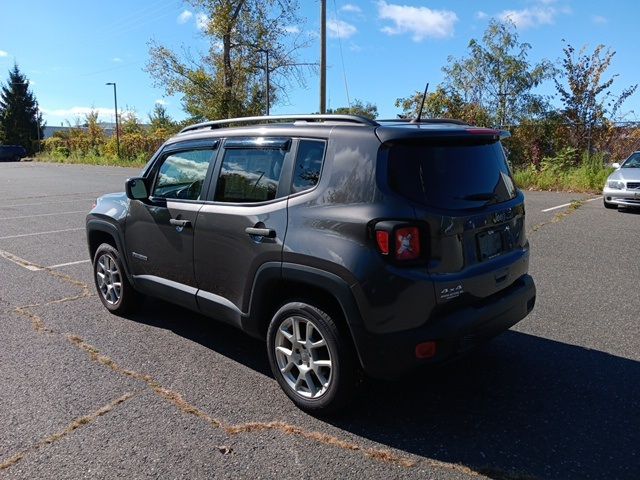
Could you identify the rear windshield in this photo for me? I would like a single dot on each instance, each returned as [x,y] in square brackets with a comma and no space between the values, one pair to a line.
[451,176]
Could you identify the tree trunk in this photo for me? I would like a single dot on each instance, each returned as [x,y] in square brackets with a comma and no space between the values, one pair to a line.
[228,74]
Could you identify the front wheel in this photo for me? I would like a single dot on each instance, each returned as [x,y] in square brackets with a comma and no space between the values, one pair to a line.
[114,290]
[311,359]
[608,205]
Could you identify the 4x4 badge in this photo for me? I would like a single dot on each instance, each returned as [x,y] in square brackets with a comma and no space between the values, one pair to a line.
[451,292]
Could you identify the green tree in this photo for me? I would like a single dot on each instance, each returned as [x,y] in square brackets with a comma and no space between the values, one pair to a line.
[443,104]
[20,120]
[159,119]
[358,107]
[587,99]
[229,80]
[497,75]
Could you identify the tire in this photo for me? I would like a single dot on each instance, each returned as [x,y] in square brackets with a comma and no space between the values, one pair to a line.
[334,382]
[113,287]
[16,158]
[611,206]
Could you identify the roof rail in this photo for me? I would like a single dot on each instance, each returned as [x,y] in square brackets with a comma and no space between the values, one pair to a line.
[423,120]
[357,119]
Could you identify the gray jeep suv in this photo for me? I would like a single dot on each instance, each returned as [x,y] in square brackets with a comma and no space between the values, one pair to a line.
[349,245]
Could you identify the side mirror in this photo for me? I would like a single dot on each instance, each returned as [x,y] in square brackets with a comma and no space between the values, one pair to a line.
[615,165]
[136,189]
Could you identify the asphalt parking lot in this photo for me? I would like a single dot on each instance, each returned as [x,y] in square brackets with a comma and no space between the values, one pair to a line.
[166,393]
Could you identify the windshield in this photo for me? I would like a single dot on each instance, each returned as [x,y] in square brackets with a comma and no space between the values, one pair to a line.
[451,176]
[632,162]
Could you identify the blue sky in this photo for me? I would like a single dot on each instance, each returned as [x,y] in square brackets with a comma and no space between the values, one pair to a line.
[69,49]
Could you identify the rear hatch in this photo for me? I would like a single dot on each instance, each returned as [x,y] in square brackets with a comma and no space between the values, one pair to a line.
[462,190]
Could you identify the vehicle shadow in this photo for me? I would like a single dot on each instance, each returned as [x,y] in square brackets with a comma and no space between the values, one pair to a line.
[521,407]
[630,211]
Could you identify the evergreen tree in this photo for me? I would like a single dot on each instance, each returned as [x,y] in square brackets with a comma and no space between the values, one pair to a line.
[160,119]
[20,120]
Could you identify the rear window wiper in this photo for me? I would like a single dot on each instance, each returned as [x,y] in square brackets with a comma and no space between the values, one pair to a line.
[480,196]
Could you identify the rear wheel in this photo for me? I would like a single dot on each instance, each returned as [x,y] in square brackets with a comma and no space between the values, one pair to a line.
[310,358]
[611,206]
[114,290]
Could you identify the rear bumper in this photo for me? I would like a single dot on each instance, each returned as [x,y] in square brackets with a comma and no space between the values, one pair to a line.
[389,355]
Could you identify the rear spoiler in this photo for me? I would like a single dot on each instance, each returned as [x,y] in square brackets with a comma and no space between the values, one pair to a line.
[391,134]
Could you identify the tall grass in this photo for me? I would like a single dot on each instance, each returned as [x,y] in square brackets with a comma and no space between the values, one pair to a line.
[93,159]
[558,174]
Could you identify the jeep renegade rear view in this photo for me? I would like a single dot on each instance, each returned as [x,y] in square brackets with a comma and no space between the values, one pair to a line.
[349,245]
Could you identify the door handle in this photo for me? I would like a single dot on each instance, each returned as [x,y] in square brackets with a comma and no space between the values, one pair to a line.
[261,232]
[180,223]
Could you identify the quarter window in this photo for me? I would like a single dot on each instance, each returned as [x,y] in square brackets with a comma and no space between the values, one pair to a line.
[250,175]
[308,165]
[182,175]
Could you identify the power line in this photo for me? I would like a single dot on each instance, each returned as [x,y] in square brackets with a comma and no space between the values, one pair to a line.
[344,71]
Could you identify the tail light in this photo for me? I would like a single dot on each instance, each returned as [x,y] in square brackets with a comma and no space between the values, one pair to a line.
[400,241]
[382,239]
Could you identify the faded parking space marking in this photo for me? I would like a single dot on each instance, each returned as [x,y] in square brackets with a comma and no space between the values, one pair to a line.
[47,203]
[569,204]
[42,233]
[21,262]
[69,263]
[43,215]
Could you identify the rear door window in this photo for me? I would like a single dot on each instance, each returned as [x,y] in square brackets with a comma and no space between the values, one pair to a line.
[451,176]
[251,170]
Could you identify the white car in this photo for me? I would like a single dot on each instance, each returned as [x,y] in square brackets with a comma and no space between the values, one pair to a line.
[622,188]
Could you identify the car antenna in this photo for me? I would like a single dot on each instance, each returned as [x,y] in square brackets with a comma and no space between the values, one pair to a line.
[424,98]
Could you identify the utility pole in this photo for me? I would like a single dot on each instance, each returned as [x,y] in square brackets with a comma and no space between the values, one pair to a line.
[323,56]
[38,126]
[266,71]
[115,100]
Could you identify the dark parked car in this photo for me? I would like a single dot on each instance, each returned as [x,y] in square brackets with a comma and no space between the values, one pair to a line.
[12,153]
[349,245]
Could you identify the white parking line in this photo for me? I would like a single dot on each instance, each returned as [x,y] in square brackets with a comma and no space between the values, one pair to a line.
[43,215]
[41,233]
[69,263]
[48,203]
[568,204]
[21,262]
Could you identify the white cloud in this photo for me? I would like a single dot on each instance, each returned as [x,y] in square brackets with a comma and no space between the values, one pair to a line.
[160,101]
[340,29]
[202,21]
[420,22]
[354,47]
[351,8]
[184,17]
[292,29]
[481,15]
[530,17]
[116,60]
[72,113]
[3,53]
[599,19]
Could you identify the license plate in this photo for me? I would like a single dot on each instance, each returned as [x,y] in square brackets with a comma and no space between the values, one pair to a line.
[489,244]
[636,195]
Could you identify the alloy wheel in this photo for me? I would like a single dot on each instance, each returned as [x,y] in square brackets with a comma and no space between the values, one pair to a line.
[109,279]
[303,357]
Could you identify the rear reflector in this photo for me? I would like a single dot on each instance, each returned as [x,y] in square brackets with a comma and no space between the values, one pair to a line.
[382,238]
[407,243]
[426,350]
